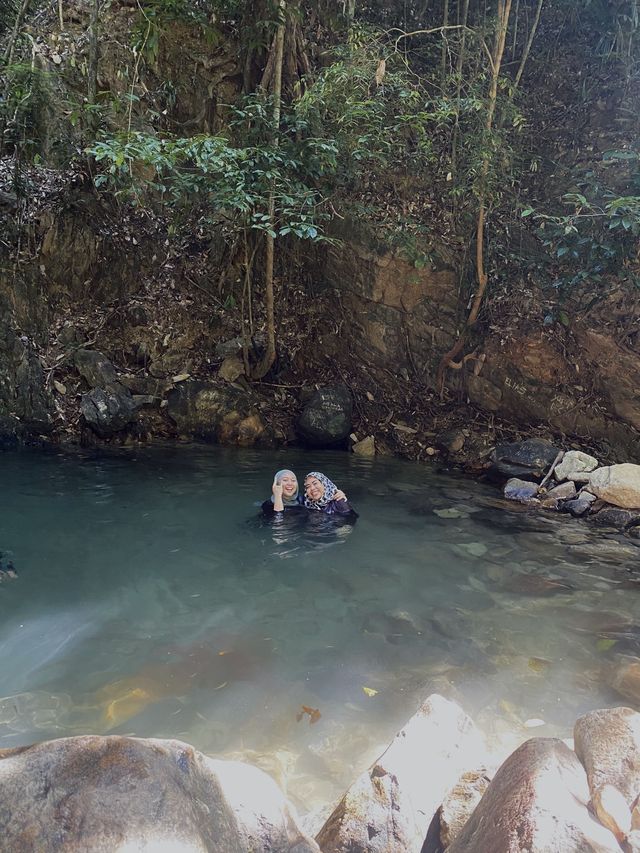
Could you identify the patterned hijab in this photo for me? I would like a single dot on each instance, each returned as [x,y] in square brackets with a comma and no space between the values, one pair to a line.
[329,491]
[293,500]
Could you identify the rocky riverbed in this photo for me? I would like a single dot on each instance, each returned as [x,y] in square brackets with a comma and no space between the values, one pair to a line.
[435,788]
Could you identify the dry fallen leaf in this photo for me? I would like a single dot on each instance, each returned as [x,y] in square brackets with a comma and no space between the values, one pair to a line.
[314,714]
[370,691]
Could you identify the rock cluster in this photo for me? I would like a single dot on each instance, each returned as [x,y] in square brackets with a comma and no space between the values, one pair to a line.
[428,792]
[575,482]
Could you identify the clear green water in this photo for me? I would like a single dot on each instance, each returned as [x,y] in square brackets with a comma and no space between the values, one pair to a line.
[152,601]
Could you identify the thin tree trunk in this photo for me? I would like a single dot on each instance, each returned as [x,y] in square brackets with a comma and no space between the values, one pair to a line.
[504,8]
[269,357]
[8,54]
[525,54]
[514,40]
[459,67]
[443,57]
[92,81]
[60,16]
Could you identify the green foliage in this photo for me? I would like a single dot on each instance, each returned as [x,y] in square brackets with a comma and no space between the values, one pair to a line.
[218,177]
[27,90]
[600,232]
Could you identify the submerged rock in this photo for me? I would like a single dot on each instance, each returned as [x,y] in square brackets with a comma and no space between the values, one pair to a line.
[536,802]
[577,507]
[389,807]
[617,484]
[527,460]
[523,491]
[326,419]
[611,516]
[89,793]
[625,678]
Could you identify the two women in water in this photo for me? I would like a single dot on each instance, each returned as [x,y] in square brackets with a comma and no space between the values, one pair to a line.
[320,494]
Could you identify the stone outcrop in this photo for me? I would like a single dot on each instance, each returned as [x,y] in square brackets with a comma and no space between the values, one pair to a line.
[526,460]
[109,407]
[389,807]
[220,413]
[617,484]
[100,794]
[326,419]
[26,407]
[536,802]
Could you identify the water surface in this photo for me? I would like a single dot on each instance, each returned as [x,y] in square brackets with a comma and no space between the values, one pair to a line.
[152,600]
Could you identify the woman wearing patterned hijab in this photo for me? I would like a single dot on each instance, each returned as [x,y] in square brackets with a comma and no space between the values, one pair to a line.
[321,494]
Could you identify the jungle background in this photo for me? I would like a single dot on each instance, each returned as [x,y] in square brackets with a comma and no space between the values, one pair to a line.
[210,209]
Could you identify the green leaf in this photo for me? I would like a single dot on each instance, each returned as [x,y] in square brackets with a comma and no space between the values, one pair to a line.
[527,212]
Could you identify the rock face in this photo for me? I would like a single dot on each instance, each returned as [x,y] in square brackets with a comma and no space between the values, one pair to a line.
[109,407]
[389,807]
[527,460]
[99,794]
[536,802]
[617,484]
[25,404]
[216,413]
[326,419]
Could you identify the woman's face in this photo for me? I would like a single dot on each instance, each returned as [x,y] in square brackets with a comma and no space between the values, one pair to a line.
[313,488]
[289,485]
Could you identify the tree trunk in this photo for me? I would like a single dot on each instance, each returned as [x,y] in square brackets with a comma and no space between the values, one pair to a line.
[504,8]
[8,54]
[92,80]
[459,67]
[269,357]
[443,57]
[525,54]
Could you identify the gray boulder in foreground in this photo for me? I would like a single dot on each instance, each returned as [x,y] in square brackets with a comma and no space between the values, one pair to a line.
[537,802]
[95,794]
[388,809]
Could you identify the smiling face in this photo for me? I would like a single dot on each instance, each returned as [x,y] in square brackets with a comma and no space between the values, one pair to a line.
[313,488]
[289,485]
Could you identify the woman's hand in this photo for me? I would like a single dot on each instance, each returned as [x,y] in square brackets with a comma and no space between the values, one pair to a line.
[278,505]
[339,496]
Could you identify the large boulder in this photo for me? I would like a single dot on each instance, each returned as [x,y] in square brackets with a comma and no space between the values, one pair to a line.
[326,419]
[219,413]
[108,412]
[390,806]
[109,407]
[607,742]
[536,802]
[101,794]
[527,460]
[617,484]
[96,369]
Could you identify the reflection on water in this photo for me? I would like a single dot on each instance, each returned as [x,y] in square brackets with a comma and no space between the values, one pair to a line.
[152,599]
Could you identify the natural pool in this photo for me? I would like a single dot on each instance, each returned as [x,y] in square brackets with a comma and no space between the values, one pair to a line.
[151,600]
